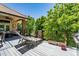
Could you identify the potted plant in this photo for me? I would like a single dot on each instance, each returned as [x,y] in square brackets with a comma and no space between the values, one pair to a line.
[63,46]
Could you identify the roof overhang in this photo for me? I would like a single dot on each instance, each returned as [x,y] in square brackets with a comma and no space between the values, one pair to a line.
[6,10]
[13,15]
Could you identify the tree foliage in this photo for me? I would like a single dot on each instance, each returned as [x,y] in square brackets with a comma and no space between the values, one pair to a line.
[39,23]
[30,25]
[62,21]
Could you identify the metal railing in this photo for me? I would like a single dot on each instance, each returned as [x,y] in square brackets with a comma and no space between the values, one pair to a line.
[76,39]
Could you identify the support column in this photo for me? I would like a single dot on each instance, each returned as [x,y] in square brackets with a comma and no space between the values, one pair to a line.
[23,26]
[10,25]
[5,27]
[13,24]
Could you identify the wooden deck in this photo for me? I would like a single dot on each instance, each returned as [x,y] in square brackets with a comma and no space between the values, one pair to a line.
[43,49]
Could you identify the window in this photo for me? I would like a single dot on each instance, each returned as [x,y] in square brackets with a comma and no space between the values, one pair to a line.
[1,27]
[7,27]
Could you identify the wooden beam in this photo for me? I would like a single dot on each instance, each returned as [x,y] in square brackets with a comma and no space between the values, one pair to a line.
[23,26]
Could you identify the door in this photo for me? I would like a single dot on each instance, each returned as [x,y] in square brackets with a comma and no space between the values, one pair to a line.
[4,26]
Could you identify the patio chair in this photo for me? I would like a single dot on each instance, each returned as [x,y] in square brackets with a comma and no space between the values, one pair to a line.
[22,37]
[27,40]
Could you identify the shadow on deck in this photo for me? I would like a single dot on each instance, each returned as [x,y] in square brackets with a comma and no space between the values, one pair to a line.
[10,37]
[26,46]
[23,47]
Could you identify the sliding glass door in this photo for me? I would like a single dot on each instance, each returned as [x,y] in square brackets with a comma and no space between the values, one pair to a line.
[4,27]
[1,27]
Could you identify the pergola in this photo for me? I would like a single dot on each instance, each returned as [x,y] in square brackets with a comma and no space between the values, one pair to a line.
[10,17]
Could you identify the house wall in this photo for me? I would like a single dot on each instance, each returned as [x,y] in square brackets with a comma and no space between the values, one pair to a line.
[13,22]
[4,22]
[5,26]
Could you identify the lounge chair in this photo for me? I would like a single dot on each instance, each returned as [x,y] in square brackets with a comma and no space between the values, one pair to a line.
[27,39]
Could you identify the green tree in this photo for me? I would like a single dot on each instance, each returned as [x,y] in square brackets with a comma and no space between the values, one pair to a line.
[62,21]
[39,23]
[19,27]
[68,20]
[30,25]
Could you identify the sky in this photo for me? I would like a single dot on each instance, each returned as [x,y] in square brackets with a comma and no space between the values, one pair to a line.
[35,10]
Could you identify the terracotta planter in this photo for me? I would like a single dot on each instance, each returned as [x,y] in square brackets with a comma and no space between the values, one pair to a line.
[60,44]
[52,42]
[63,46]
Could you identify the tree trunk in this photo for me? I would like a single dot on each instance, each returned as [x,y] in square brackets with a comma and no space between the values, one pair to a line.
[65,35]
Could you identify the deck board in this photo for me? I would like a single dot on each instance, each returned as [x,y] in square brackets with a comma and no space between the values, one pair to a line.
[6,45]
[2,53]
[14,52]
[46,49]
[11,52]
[43,49]
[32,53]
[7,53]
